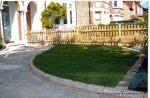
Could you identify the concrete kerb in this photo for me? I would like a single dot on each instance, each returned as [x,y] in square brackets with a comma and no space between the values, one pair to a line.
[90,87]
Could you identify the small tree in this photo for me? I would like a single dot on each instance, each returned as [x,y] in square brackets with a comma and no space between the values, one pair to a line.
[145,15]
[52,14]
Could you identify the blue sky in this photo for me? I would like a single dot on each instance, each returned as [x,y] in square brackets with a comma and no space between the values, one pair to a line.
[145,3]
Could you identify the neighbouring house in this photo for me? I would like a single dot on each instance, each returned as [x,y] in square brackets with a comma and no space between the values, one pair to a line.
[92,12]
[116,10]
[132,10]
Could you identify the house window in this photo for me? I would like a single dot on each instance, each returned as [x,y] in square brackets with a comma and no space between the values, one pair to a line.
[98,4]
[70,5]
[65,21]
[64,4]
[57,21]
[70,17]
[97,15]
[115,3]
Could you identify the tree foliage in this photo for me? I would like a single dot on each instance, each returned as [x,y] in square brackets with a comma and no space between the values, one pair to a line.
[52,14]
[145,15]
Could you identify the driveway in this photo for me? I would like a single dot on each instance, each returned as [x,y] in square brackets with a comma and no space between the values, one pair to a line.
[17,81]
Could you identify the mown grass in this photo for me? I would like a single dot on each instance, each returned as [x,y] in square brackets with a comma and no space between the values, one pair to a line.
[100,65]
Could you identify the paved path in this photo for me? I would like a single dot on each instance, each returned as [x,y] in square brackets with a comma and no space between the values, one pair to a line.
[17,81]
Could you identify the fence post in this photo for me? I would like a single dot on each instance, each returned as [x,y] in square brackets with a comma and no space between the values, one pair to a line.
[77,35]
[119,28]
[45,35]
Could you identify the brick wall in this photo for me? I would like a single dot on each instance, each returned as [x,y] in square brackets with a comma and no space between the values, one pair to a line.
[82,13]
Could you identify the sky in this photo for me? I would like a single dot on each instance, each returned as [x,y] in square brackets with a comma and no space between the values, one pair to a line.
[145,3]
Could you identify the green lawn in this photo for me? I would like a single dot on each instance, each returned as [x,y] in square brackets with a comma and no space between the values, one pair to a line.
[100,65]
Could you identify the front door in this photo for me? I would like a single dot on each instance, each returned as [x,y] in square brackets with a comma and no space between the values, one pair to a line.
[6,23]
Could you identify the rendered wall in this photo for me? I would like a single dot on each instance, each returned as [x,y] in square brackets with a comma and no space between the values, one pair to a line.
[13,21]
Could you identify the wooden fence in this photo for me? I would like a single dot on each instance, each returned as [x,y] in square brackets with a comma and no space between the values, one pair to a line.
[101,35]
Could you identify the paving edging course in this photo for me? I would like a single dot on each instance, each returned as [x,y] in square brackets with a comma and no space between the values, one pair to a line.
[90,87]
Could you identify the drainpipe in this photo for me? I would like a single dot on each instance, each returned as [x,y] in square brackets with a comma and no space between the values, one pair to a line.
[89,12]
[76,11]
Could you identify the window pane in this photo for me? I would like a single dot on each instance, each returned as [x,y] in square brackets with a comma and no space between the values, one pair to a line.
[115,3]
[70,17]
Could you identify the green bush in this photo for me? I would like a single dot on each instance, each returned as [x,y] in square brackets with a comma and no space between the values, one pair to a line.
[139,82]
[52,14]
[0,42]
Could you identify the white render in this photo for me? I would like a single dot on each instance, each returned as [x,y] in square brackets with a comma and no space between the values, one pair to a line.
[104,16]
[13,22]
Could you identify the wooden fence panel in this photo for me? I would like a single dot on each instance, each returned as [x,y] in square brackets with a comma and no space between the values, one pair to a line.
[101,35]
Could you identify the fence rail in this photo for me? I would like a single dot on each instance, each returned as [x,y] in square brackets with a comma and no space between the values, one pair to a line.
[101,35]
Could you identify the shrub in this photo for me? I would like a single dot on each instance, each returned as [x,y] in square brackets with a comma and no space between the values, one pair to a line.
[52,14]
[0,42]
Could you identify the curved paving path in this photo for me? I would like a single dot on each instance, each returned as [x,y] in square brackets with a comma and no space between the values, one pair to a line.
[16,80]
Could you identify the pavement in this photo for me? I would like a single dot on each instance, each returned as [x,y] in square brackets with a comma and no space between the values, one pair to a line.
[17,81]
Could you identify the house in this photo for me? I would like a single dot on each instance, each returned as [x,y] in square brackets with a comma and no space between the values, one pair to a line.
[116,10]
[18,17]
[132,10]
[93,12]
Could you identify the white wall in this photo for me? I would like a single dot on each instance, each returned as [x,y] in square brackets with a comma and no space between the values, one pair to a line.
[104,16]
[36,8]
[33,15]
[13,22]
[105,19]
